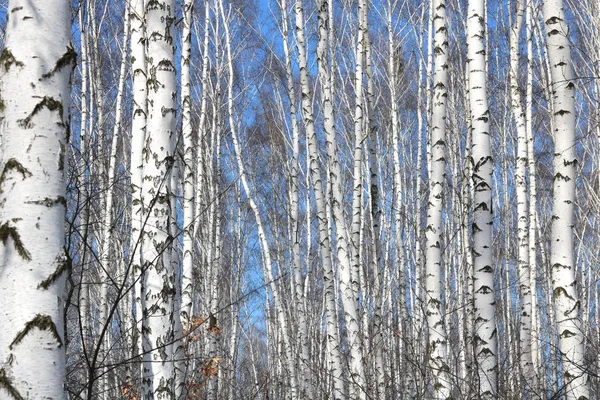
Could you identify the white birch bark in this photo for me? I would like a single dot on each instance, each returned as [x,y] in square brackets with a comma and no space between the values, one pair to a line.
[305,389]
[359,138]
[333,340]
[348,290]
[376,219]
[562,256]
[35,70]
[138,136]
[525,360]
[437,341]
[535,355]
[156,191]
[485,334]
[84,293]
[189,187]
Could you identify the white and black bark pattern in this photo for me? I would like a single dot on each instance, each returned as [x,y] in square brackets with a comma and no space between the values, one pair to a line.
[138,135]
[562,257]
[348,289]
[304,384]
[525,361]
[437,341]
[359,138]
[189,187]
[378,341]
[333,339]
[532,200]
[485,337]
[35,71]
[158,159]
[189,181]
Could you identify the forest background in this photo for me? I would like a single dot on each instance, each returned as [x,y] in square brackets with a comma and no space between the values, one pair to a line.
[314,199]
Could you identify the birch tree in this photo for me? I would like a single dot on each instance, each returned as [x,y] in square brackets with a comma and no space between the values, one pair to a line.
[562,257]
[348,289]
[305,389]
[525,325]
[485,334]
[437,342]
[333,340]
[138,136]
[159,279]
[35,71]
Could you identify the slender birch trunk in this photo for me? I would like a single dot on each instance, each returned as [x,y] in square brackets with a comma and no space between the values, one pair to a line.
[485,334]
[525,362]
[349,293]
[35,71]
[138,137]
[107,255]
[189,188]
[376,220]
[189,181]
[437,341]
[200,168]
[535,355]
[359,138]
[333,339]
[156,191]
[562,256]
[84,291]
[305,387]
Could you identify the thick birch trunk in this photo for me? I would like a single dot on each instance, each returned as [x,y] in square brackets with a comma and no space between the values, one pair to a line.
[562,256]
[156,192]
[485,334]
[35,71]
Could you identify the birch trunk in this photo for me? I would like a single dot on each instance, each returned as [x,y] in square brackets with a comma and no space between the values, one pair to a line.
[333,339]
[525,362]
[158,161]
[437,341]
[189,188]
[562,256]
[35,71]
[305,388]
[376,219]
[535,355]
[349,291]
[138,136]
[485,334]
[359,138]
